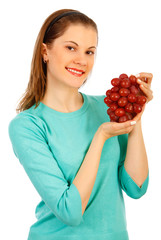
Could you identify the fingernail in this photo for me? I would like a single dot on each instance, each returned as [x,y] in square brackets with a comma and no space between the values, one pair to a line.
[139,81]
[137,75]
[133,123]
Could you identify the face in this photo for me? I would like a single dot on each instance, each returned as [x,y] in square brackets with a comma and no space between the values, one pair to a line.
[71,58]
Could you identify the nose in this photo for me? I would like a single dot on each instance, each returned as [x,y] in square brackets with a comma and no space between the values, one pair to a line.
[80,59]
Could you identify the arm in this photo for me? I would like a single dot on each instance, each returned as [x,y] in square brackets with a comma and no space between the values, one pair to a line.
[136,162]
[134,172]
[27,135]
[86,176]
[127,183]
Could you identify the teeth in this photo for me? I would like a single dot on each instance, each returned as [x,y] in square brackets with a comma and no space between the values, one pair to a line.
[71,70]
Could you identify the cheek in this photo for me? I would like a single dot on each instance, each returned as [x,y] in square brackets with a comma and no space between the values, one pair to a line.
[91,63]
[55,63]
[55,57]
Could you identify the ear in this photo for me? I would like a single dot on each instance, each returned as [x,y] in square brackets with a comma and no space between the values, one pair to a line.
[44,51]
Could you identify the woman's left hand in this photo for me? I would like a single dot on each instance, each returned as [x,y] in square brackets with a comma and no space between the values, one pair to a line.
[144,80]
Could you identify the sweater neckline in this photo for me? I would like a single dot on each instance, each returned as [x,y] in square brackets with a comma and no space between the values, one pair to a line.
[48,110]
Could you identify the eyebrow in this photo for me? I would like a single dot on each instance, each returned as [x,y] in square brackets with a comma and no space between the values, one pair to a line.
[78,45]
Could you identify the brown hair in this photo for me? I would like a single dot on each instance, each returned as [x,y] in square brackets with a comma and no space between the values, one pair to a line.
[37,81]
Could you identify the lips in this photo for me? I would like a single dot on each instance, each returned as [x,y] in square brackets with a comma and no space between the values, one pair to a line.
[75,72]
[78,70]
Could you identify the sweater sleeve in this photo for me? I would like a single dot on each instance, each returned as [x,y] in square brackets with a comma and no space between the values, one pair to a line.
[126,182]
[31,148]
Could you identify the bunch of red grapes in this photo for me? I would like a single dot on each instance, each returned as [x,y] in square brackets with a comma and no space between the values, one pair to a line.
[125,99]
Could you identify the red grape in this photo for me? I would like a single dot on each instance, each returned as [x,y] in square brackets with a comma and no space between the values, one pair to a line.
[109,111]
[114,89]
[123,118]
[129,115]
[114,96]
[122,101]
[125,83]
[120,112]
[123,75]
[113,117]
[141,100]
[132,98]
[129,108]
[115,81]
[137,108]
[133,79]
[134,89]
[113,106]
[108,92]
[108,101]
[124,92]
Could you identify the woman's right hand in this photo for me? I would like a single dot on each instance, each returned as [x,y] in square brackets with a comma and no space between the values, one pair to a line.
[111,129]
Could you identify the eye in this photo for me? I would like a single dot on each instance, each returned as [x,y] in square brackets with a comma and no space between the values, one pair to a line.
[69,47]
[90,52]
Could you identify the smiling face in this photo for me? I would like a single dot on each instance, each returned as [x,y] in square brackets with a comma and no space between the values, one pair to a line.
[71,57]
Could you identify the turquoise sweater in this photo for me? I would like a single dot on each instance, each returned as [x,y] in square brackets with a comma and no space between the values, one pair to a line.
[51,146]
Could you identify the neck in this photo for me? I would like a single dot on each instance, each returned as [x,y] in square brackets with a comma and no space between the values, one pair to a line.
[63,99]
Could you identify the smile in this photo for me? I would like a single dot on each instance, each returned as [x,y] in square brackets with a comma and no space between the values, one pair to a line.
[74,72]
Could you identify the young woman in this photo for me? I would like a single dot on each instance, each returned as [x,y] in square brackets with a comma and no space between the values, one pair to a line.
[78,161]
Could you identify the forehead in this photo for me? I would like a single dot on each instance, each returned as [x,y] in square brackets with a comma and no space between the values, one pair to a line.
[80,34]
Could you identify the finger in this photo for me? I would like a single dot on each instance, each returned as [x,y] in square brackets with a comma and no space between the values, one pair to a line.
[128,130]
[119,126]
[123,130]
[145,76]
[146,85]
[147,91]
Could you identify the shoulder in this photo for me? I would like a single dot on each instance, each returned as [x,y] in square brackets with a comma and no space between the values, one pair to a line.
[98,105]
[96,98]
[26,131]
[26,123]
[97,101]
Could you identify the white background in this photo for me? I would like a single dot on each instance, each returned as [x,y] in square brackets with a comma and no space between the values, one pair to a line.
[129,42]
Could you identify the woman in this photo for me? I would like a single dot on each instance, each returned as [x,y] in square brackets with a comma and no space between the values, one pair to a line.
[77,159]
